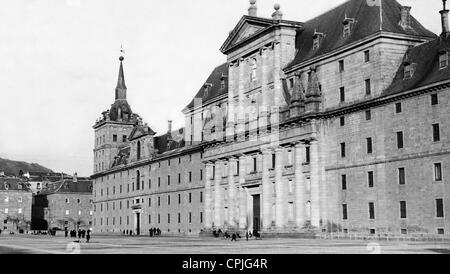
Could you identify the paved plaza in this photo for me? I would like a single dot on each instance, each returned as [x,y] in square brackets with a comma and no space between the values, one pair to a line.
[30,244]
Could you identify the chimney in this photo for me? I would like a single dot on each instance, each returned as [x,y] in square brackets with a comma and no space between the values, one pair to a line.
[75,177]
[169,130]
[444,17]
[405,17]
[277,15]
[253,10]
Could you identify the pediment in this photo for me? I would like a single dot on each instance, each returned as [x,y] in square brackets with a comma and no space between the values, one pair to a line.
[140,131]
[245,29]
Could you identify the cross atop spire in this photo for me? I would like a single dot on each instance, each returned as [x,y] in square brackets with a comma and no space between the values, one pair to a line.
[121,89]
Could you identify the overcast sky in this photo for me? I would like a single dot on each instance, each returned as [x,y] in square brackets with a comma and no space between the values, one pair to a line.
[59,65]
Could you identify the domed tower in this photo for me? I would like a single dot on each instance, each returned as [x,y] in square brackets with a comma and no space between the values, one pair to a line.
[114,127]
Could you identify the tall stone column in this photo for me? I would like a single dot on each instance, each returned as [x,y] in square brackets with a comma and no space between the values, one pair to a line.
[208,196]
[264,107]
[242,193]
[232,208]
[280,218]
[300,182]
[315,184]
[241,104]
[218,204]
[231,106]
[266,189]
[278,85]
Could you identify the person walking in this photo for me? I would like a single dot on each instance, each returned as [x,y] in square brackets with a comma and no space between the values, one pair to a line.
[246,235]
[234,237]
[66,232]
[88,235]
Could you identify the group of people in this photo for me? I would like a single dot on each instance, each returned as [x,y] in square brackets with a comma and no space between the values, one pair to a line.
[85,234]
[248,235]
[154,232]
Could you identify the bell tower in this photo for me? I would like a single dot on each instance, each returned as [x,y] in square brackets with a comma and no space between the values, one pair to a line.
[114,126]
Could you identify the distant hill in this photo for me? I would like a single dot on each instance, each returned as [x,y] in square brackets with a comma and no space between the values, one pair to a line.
[14,167]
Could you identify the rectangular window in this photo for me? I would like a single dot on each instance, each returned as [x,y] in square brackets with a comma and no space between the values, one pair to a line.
[114,138]
[308,155]
[190,217]
[368,115]
[201,217]
[168,180]
[398,108]
[367,56]
[168,200]
[437,172]
[403,214]
[370,179]
[434,99]
[400,144]
[201,174]
[372,211]
[159,201]
[190,176]
[342,94]
[342,121]
[436,133]
[441,231]
[274,159]
[343,150]
[190,197]
[159,181]
[255,164]
[179,178]
[168,218]
[201,197]
[439,208]
[368,87]
[401,176]
[344,212]
[344,182]
[443,60]
[179,218]
[369,146]
[124,139]
[341,66]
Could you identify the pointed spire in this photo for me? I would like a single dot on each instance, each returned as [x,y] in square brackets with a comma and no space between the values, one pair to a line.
[121,89]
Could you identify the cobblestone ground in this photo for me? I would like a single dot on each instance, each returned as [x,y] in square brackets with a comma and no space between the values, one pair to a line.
[177,245]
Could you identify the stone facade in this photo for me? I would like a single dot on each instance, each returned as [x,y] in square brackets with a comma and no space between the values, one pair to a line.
[336,124]
[15,205]
[64,204]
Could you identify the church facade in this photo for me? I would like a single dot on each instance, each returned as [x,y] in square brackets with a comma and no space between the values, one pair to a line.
[337,124]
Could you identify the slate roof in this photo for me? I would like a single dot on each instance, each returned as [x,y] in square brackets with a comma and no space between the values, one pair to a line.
[68,186]
[215,90]
[425,59]
[9,184]
[177,137]
[367,23]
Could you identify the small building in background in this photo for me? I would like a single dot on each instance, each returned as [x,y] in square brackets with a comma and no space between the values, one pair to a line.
[15,205]
[65,204]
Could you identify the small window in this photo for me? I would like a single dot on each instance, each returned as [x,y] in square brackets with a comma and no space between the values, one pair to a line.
[438,172]
[439,208]
[441,231]
[341,66]
[342,94]
[343,150]
[436,133]
[124,138]
[368,87]
[344,212]
[114,138]
[369,146]
[344,181]
[368,115]
[398,108]
[342,121]
[291,83]
[408,72]
[370,179]
[367,56]
[443,60]
[372,211]
[434,99]
[404,231]
[400,144]
[401,176]
[403,214]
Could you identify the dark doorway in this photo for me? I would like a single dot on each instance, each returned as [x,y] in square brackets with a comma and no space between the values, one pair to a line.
[257,212]
[138,224]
